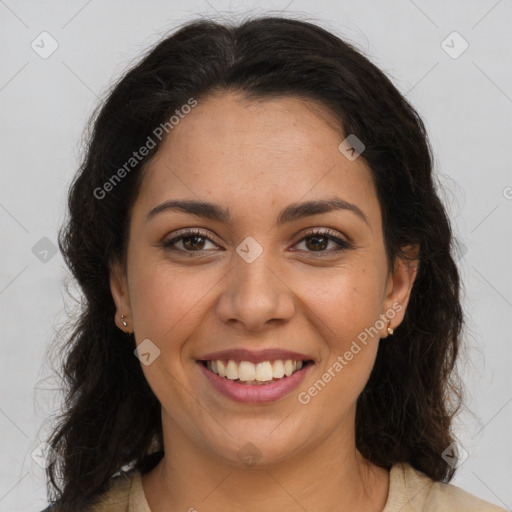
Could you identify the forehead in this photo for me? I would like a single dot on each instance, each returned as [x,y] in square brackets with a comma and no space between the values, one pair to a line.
[260,153]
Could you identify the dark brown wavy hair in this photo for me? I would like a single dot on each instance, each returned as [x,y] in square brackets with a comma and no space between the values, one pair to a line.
[111,418]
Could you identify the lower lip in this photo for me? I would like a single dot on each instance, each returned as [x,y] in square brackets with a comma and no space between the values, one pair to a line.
[261,393]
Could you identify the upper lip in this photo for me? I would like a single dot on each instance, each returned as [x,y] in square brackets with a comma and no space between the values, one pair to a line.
[242,354]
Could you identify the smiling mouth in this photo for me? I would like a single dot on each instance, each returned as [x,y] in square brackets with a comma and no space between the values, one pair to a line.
[250,374]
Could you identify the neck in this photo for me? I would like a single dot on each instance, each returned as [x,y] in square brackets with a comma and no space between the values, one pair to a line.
[332,477]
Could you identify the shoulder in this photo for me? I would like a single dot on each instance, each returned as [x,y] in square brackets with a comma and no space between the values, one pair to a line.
[117,496]
[410,490]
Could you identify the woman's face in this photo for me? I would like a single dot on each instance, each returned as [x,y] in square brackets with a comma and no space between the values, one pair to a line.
[254,282]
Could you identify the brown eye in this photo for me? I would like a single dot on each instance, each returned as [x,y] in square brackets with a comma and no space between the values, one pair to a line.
[188,242]
[318,241]
[193,242]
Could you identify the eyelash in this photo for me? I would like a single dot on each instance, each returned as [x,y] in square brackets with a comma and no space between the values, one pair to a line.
[327,233]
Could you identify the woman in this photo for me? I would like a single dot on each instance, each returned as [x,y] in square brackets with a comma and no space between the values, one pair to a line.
[271,309]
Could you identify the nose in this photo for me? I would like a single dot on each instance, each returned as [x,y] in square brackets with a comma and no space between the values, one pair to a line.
[255,296]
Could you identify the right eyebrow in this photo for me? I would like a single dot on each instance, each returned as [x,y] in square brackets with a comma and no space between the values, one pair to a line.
[198,208]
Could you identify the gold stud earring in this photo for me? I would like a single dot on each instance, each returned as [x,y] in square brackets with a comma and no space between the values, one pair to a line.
[390,329]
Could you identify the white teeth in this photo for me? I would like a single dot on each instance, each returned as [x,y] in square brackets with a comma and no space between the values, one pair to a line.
[278,369]
[263,371]
[221,367]
[232,370]
[248,372]
[288,367]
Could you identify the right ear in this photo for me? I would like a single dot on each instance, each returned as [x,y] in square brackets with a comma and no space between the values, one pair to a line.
[121,296]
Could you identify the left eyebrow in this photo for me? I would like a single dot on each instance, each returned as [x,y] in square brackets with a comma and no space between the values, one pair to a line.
[292,212]
[297,211]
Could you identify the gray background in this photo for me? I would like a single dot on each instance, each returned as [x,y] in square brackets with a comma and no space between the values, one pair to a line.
[466,103]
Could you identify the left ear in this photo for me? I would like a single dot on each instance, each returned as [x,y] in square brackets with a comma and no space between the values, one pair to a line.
[399,286]
[119,290]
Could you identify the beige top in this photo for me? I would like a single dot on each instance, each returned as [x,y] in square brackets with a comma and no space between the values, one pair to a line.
[409,491]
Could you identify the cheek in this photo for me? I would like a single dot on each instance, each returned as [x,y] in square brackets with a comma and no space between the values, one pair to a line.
[348,302]
[351,336]
[166,300]
[348,310]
